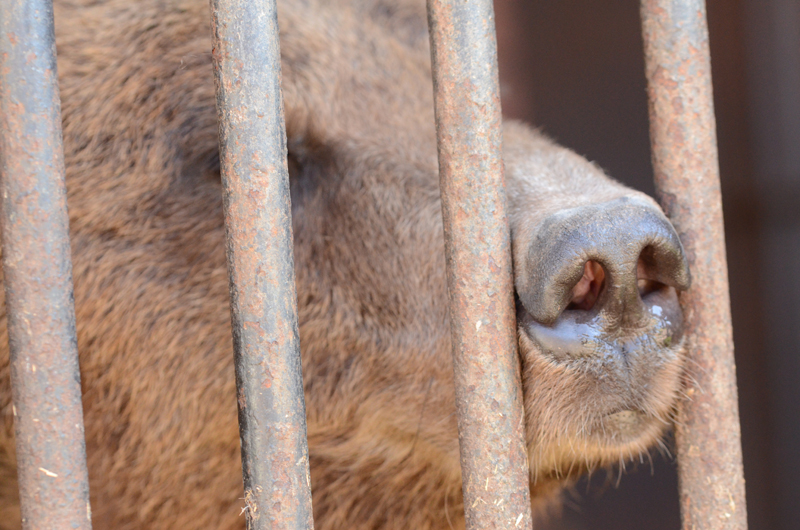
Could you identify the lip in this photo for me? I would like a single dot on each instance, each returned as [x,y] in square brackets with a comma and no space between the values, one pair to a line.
[625,426]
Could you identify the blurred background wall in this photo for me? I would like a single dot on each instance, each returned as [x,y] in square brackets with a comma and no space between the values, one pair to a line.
[575,69]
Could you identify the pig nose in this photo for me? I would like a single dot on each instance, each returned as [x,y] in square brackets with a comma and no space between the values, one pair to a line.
[601,258]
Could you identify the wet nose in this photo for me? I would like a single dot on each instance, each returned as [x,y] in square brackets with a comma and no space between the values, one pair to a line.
[601,258]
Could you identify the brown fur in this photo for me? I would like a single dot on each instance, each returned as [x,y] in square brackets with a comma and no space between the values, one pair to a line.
[151,291]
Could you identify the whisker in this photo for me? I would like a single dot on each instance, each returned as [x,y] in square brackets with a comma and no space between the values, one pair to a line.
[652,468]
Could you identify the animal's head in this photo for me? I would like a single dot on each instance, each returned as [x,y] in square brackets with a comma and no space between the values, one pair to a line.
[597,266]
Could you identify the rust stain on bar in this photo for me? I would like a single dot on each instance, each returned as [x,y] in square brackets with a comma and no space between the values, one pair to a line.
[272,419]
[479,275]
[687,182]
[46,391]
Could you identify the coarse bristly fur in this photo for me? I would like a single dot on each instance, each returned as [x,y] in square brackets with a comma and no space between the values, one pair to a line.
[151,285]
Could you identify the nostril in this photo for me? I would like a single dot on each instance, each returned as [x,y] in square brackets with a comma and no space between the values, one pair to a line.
[644,282]
[560,268]
[646,286]
[652,274]
[589,287]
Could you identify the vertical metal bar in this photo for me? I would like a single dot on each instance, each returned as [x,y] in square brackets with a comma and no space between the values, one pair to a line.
[687,182]
[489,405]
[272,419]
[46,390]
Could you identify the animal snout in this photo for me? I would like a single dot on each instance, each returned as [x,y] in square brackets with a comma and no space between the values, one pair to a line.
[609,270]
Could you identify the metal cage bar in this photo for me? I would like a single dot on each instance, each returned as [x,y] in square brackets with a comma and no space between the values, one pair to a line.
[255,177]
[46,390]
[683,134]
[491,425]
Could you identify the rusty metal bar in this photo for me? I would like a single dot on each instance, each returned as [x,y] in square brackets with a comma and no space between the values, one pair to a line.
[46,390]
[489,405]
[683,135]
[255,177]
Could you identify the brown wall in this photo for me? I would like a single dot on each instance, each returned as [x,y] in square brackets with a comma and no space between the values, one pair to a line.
[575,68]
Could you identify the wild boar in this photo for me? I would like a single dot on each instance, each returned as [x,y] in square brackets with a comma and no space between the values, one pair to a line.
[597,269]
